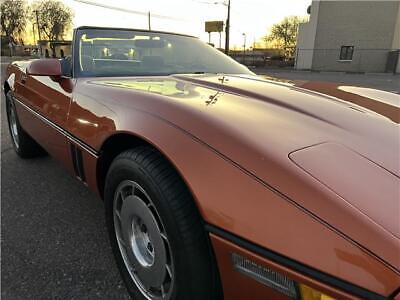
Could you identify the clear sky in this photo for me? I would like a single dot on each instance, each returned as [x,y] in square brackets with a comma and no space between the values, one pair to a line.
[253,17]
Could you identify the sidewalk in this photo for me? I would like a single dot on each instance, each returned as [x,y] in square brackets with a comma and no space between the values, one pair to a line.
[263,70]
[8,59]
[383,81]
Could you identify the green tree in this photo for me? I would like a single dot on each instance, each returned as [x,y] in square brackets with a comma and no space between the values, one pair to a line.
[54,19]
[284,34]
[13,18]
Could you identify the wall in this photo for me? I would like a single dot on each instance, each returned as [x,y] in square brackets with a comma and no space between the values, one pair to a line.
[396,38]
[306,40]
[367,25]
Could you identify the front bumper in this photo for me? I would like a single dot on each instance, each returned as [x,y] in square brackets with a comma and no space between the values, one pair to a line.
[237,285]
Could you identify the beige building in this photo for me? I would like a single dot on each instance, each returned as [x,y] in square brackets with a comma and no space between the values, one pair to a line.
[351,36]
[62,48]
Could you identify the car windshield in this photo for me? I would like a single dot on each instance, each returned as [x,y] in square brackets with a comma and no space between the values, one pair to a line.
[112,52]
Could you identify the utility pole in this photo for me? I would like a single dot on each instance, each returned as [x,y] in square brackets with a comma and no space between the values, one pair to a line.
[38,27]
[149,20]
[227,27]
[34,35]
[244,48]
[254,47]
[37,24]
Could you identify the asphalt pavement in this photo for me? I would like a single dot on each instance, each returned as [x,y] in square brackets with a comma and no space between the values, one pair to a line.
[54,243]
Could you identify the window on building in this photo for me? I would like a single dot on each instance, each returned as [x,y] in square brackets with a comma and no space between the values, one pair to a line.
[346,52]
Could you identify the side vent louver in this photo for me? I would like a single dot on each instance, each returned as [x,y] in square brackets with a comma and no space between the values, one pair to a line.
[76,155]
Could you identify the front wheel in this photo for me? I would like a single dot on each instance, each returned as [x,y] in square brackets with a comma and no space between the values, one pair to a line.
[156,232]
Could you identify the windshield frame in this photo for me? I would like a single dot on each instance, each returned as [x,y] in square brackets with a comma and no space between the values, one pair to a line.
[77,73]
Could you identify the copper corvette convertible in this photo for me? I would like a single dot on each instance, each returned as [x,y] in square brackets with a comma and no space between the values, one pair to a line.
[218,183]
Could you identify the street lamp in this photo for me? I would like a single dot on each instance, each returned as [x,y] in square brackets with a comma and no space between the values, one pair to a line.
[244,47]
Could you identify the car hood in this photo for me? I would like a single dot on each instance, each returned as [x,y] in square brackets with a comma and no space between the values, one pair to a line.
[333,149]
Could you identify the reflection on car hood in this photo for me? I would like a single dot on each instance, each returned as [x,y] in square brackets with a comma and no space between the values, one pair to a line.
[257,123]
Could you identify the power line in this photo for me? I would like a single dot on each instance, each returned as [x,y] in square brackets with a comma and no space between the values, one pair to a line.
[129,10]
[204,2]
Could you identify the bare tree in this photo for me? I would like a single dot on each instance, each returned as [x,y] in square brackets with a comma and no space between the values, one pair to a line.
[53,18]
[13,18]
[284,34]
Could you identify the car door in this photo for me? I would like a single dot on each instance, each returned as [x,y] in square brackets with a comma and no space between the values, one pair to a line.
[43,112]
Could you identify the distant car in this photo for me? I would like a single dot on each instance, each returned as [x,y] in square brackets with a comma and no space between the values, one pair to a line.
[218,183]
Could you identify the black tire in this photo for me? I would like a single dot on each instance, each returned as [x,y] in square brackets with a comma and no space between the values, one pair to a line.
[195,271]
[23,144]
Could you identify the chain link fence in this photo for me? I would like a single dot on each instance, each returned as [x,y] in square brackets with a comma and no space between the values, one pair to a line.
[262,58]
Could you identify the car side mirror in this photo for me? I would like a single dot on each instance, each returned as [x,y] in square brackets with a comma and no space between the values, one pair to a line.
[45,67]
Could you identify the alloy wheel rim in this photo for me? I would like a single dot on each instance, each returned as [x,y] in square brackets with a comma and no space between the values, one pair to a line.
[142,241]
